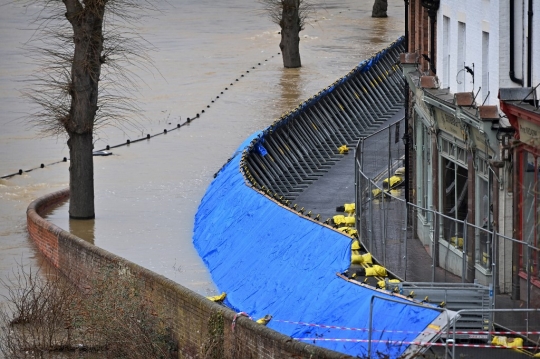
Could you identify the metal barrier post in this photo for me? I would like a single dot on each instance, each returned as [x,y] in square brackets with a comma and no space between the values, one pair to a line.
[370,325]
[405,234]
[435,242]
[370,230]
[464,251]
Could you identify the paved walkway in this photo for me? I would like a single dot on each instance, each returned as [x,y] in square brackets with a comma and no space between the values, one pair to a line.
[337,187]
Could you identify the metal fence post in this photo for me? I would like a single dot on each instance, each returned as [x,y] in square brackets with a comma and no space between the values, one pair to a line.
[406,235]
[435,242]
[464,251]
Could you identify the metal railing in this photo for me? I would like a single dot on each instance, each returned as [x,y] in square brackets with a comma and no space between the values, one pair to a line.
[304,143]
[400,235]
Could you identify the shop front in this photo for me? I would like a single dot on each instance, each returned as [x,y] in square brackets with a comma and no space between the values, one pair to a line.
[524,150]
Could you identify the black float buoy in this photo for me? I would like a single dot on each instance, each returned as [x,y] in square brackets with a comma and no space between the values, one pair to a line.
[20,172]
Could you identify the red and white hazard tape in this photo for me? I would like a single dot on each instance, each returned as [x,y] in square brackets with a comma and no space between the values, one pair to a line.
[398,342]
[239,314]
[402,331]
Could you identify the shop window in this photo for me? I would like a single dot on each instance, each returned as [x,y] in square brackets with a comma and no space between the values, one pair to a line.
[423,154]
[483,220]
[454,200]
[530,211]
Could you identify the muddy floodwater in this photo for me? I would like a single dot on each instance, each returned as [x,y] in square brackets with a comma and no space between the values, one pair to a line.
[147,193]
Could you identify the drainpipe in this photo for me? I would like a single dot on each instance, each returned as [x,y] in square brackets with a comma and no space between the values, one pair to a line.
[529,43]
[516,247]
[432,16]
[406,89]
[512,74]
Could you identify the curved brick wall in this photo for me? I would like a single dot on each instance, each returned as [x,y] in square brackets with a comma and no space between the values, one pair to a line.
[187,312]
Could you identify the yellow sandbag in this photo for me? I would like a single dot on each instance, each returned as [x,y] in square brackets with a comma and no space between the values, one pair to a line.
[456,242]
[394,181]
[507,342]
[264,320]
[338,219]
[382,283]
[355,246]
[376,270]
[367,258]
[349,221]
[361,258]
[349,207]
[343,149]
[357,259]
[218,298]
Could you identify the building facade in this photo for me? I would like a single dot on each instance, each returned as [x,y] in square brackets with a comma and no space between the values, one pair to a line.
[466,167]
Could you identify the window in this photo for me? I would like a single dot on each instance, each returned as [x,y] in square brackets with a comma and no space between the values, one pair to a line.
[454,199]
[461,56]
[446,52]
[483,219]
[485,67]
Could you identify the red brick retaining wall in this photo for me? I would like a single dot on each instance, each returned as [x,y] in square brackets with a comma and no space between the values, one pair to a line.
[186,312]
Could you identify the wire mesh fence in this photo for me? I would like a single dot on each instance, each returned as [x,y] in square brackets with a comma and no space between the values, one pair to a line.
[422,245]
[382,214]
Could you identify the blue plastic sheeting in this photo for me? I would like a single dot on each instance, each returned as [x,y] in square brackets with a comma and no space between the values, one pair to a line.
[269,260]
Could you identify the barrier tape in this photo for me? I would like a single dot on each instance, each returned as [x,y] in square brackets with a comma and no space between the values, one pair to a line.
[239,314]
[404,331]
[399,342]
[128,142]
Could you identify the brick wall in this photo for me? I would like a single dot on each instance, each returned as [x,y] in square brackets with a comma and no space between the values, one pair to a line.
[185,312]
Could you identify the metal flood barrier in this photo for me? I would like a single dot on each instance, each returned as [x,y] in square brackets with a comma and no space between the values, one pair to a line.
[303,144]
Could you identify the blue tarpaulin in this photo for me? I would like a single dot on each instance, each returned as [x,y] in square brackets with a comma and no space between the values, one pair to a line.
[269,260]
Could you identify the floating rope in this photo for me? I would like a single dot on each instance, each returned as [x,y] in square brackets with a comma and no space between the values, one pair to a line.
[128,142]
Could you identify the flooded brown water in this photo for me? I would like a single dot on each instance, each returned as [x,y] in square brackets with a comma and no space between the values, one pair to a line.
[147,193]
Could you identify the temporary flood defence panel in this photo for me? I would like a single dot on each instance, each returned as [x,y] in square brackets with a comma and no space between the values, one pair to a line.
[271,261]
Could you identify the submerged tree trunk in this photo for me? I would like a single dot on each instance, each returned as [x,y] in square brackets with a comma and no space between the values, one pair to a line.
[290,30]
[81,176]
[87,23]
[379,8]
